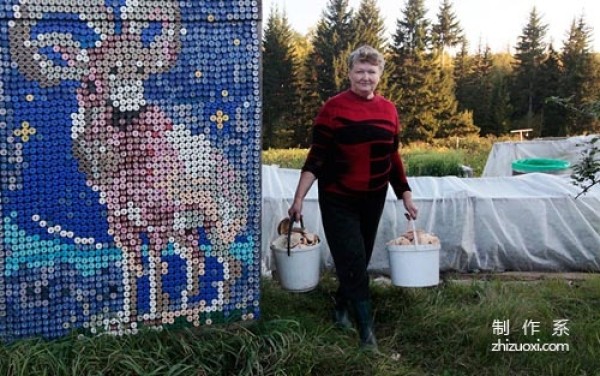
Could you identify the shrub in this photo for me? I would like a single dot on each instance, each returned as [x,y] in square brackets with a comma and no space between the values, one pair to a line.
[434,164]
[586,172]
[285,158]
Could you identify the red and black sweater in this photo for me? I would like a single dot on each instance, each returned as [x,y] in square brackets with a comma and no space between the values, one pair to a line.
[355,146]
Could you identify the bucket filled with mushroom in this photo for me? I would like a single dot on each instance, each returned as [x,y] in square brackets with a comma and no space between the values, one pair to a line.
[414,258]
[297,254]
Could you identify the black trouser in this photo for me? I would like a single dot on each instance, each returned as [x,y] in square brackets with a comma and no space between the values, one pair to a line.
[350,224]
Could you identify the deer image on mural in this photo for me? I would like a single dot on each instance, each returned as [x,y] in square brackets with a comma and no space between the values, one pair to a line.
[159,182]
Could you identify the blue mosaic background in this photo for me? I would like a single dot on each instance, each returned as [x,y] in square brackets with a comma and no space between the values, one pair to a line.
[61,268]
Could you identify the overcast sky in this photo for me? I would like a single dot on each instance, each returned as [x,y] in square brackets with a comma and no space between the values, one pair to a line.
[494,22]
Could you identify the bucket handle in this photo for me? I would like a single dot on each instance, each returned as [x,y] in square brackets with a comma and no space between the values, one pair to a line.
[289,234]
[414,228]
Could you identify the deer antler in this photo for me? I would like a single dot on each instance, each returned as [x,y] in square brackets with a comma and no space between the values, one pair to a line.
[27,48]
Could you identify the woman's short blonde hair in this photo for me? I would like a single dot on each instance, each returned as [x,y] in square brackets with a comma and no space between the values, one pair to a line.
[366,54]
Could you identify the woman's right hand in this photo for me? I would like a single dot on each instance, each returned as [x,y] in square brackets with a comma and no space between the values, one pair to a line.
[306,180]
[295,211]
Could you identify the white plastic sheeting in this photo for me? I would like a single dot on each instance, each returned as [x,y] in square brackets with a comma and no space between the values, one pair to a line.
[503,154]
[528,222]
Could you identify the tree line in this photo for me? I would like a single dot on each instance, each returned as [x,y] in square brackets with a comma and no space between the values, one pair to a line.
[439,87]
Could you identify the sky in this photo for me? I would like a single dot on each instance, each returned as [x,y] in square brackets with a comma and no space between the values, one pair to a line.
[497,23]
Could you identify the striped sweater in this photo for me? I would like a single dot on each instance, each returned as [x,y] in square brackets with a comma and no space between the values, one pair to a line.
[355,146]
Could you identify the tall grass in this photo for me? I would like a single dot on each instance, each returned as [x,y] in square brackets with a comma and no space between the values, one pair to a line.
[446,330]
[447,163]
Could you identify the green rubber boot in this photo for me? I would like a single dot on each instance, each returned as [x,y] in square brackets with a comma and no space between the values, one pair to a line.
[364,318]
[341,316]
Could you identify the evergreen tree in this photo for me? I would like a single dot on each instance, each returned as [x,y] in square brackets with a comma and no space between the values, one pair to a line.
[483,85]
[412,35]
[483,89]
[310,101]
[369,26]
[279,82]
[473,83]
[451,122]
[463,125]
[530,53]
[553,121]
[369,29]
[415,73]
[500,107]
[580,80]
[463,70]
[332,45]
[446,32]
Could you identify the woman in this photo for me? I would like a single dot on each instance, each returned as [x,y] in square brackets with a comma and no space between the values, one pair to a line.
[354,155]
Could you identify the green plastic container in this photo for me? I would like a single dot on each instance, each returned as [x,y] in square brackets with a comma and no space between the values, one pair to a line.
[545,165]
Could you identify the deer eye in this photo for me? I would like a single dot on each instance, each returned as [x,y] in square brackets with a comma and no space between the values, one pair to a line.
[149,34]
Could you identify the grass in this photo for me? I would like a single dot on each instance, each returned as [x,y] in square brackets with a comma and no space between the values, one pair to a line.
[446,330]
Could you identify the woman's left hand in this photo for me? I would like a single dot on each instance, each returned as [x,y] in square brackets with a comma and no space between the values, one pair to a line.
[409,205]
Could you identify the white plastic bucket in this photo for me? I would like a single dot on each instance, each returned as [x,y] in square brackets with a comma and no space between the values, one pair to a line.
[301,270]
[415,265]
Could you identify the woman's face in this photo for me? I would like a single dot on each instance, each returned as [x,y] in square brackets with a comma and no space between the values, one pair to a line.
[364,78]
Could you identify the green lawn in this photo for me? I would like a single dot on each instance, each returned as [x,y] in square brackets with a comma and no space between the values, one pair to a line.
[446,330]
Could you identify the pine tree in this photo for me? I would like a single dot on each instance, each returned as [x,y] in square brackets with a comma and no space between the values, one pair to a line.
[332,45]
[310,100]
[279,82]
[463,70]
[446,32]
[451,122]
[580,80]
[474,86]
[369,26]
[412,31]
[369,29]
[482,88]
[482,81]
[500,107]
[463,125]
[415,73]
[530,53]
[553,122]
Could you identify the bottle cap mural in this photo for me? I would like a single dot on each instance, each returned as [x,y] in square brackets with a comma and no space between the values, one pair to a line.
[129,165]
